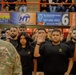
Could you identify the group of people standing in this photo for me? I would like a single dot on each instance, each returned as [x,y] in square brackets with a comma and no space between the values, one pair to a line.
[42,55]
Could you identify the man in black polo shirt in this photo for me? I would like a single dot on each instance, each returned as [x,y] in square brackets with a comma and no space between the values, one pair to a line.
[72,46]
[39,62]
[57,56]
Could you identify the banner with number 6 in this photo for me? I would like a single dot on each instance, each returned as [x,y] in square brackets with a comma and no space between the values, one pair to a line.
[65,19]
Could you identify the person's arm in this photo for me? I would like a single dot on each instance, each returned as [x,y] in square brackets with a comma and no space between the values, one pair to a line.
[70,53]
[40,39]
[70,65]
[35,66]
[71,4]
[36,51]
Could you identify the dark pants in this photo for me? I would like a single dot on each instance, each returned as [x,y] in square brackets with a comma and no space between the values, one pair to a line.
[27,72]
[48,73]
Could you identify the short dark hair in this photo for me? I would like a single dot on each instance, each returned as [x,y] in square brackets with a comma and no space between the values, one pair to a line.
[7,29]
[73,29]
[56,30]
[22,26]
[13,27]
[41,29]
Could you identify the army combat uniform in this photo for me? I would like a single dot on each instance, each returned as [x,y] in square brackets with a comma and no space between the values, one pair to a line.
[9,60]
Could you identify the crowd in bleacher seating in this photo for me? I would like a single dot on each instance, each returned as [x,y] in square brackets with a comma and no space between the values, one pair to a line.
[14,7]
[63,6]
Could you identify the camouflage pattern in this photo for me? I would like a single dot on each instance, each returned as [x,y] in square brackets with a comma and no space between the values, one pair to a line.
[9,60]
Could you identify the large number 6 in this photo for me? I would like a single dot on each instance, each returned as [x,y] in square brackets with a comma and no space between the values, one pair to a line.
[65,19]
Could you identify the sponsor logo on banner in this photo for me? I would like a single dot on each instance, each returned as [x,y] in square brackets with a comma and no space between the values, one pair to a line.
[4,18]
[57,19]
[23,18]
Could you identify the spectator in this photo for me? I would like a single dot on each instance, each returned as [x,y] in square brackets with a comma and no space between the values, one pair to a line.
[44,7]
[53,6]
[22,28]
[17,8]
[23,7]
[61,7]
[6,7]
[71,7]
[11,6]
[7,33]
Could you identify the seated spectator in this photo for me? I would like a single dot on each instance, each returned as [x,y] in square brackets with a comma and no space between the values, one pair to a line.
[11,6]
[6,7]
[61,7]
[23,7]
[70,8]
[53,6]
[44,7]
[16,8]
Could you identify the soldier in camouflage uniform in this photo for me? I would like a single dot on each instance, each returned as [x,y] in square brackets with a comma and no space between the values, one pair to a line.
[9,60]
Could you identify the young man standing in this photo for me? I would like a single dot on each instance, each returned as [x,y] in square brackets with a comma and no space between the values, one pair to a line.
[72,45]
[58,57]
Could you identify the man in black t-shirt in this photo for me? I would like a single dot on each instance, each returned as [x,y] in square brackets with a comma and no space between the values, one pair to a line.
[71,44]
[13,36]
[39,62]
[57,56]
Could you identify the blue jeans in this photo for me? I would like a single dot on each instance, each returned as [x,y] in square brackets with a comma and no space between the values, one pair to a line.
[23,8]
[60,8]
[52,8]
[72,9]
